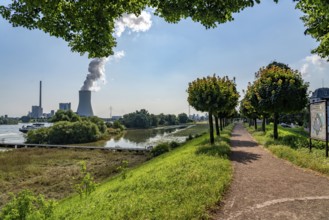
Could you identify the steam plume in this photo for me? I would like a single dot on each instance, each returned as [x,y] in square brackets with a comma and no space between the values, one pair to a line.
[136,24]
[96,75]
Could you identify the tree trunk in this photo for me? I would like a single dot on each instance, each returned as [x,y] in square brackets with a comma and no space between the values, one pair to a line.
[211,129]
[221,123]
[216,125]
[255,121]
[275,127]
[263,123]
[250,122]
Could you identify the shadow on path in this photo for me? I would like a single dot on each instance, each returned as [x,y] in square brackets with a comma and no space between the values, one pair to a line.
[239,143]
[244,157]
[235,135]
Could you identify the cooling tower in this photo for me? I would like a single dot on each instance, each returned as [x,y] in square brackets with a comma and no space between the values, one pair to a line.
[84,108]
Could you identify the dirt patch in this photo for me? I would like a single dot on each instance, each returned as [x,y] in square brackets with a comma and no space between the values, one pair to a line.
[265,187]
[54,172]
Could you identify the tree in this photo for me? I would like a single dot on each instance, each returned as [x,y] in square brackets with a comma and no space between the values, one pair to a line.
[183,118]
[316,20]
[204,95]
[280,90]
[65,115]
[250,106]
[138,119]
[88,25]
[230,98]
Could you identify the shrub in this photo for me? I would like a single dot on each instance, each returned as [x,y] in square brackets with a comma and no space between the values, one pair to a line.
[87,184]
[25,205]
[173,144]
[118,125]
[39,136]
[190,137]
[160,149]
[123,169]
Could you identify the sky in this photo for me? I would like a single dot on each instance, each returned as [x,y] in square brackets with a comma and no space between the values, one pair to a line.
[154,61]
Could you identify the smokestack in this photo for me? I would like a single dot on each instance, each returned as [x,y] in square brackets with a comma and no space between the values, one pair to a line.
[84,108]
[40,94]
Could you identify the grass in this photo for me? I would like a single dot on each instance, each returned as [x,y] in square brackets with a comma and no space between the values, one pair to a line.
[197,129]
[292,145]
[54,172]
[181,184]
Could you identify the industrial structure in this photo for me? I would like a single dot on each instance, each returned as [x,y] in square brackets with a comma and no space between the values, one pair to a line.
[37,111]
[65,106]
[84,107]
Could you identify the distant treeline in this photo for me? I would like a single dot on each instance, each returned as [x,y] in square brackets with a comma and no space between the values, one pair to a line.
[8,121]
[143,119]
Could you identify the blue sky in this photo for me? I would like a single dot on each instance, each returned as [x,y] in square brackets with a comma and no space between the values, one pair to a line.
[158,63]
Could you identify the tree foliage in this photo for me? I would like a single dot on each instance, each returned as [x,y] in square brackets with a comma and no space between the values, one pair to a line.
[316,20]
[183,118]
[69,128]
[280,90]
[65,115]
[212,94]
[88,26]
[143,119]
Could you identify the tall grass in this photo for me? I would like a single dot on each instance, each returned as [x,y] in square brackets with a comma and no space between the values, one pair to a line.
[181,184]
[54,172]
[292,145]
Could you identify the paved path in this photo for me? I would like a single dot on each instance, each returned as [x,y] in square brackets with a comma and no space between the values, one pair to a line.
[265,187]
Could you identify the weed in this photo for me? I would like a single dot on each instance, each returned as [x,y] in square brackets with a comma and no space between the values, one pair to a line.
[123,169]
[87,184]
[25,205]
[173,144]
[160,149]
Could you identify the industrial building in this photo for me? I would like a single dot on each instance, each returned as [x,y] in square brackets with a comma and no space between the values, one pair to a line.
[37,111]
[84,108]
[65,106]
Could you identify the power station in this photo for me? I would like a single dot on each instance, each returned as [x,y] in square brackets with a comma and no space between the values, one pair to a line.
[37,111]
[84,107]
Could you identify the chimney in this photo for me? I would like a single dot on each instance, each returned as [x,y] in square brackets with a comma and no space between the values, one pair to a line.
[40,94]
[84,108]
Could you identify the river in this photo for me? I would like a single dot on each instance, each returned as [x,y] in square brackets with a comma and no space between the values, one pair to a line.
[11,134]
[139,138]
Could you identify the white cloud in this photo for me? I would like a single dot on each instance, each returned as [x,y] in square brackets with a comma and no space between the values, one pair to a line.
[141,23]
[313,64]
[118,55]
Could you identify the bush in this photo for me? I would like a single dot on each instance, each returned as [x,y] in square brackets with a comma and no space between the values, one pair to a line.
[118,125]
[160,149]
[39,136]
[87,184]
[173,144]
[190,137]
[65,133]
[27,206]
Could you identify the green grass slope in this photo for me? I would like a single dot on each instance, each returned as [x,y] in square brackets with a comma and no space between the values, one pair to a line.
[181,184]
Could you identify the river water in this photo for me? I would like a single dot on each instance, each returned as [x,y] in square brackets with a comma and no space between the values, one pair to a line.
[139,138]
[143,138]
[11,134]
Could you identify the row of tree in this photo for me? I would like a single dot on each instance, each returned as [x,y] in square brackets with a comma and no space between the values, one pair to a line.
[143,119]
[277,89]
[215,95]
[8,121]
